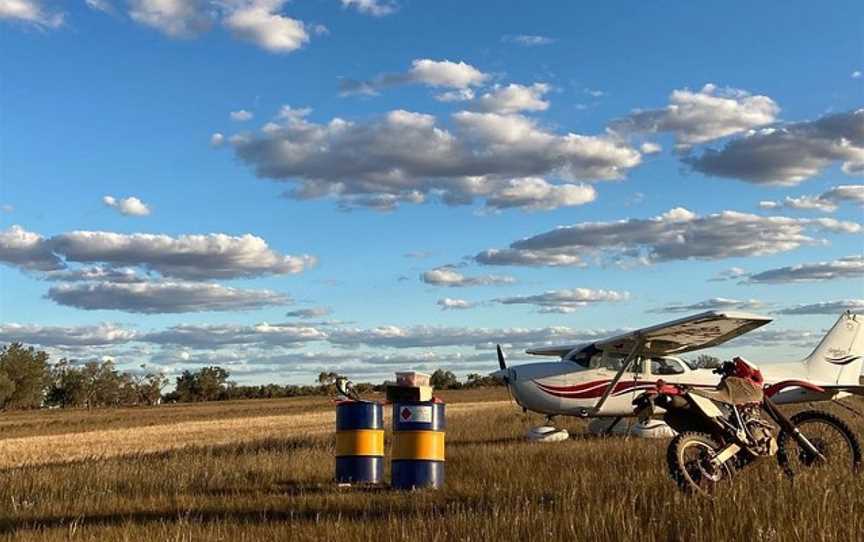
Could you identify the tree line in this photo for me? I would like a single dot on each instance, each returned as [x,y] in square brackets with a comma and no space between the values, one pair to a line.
[29,381]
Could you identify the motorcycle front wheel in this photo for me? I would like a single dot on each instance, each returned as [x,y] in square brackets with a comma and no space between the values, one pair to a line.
[689,457]
[838,444]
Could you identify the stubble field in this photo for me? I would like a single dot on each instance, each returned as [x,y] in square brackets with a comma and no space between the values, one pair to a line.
[256,470]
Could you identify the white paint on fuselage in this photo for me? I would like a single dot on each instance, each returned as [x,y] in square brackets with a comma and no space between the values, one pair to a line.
[567,388]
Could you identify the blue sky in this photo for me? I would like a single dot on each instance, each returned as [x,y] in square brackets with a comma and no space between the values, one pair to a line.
[728,144]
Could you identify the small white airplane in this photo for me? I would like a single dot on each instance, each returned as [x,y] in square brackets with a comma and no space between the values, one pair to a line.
[601,379]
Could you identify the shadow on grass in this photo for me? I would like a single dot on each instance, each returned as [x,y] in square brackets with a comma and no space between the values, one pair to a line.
[216,451]
[410,509]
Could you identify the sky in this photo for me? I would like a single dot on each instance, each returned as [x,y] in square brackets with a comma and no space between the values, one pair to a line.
[284,188]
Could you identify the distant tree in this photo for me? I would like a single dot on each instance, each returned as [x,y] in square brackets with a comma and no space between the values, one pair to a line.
[24,376]
[475,380]
[205,384]
[67,388]
[326,378]
[149,387]
[704,361]
[444,380]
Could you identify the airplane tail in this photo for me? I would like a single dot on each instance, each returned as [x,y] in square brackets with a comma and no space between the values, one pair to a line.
[840,355]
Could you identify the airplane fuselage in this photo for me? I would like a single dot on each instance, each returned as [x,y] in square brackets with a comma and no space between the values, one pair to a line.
[567,388]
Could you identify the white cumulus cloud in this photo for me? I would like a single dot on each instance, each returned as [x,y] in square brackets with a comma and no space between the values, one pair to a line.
[130,206]
[30,12]
[698,117]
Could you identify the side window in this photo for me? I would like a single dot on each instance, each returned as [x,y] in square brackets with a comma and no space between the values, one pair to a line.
[666,366]
[613,362]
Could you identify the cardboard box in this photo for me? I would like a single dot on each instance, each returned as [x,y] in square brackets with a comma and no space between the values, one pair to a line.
[412,378]
[396,393]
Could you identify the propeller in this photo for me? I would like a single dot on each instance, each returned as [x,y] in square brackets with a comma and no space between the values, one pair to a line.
[503,373]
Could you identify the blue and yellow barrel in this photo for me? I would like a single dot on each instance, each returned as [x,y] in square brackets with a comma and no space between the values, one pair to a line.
[418,445]
[359,442]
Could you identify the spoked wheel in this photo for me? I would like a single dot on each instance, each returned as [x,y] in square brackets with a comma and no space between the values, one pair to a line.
[830,435]
[690,458]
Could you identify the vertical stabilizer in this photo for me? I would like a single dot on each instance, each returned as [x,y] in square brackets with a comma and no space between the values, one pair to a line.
[840,354]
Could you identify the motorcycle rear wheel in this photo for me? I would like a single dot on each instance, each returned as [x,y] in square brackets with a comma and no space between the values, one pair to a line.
[829,434]
[689,458]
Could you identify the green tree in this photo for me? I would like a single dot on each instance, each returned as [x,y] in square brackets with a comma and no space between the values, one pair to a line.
[444,380]
[206,384]
[25,375]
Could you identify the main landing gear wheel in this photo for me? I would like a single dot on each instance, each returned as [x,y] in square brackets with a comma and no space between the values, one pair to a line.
[690,463]
[828,434]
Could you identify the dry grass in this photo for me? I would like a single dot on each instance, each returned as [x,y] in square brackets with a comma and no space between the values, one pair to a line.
[276,484]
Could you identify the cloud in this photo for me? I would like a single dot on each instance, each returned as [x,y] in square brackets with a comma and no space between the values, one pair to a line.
[782,338]
[856,74]
[7,208]
[528,40]
[217,139]
[513,98]
[425,71]
[256,21]
[27,250]
[827,202]
[418,254]
[191,257]
[650,148]
[162,297]
[449,303]
[565,301]
[130,206]
[175,18]
[95,273]
[535,194]
[698,117]
[98,335]
[210,336]
[241,115]
[678,234]
[733,273]
[448,276]
[481,338]
[30,12]
[826,307]
[406,157]
[313,312]
[715,303]
[790,153]
[101,5]
[459,95]
[376,8]
[844,268]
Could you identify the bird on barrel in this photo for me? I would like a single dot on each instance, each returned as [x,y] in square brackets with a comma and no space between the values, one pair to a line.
[345,389]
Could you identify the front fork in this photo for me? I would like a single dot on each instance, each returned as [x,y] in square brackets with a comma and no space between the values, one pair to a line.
[787,425]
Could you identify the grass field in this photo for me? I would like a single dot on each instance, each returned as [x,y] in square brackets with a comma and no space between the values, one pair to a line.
[252,470]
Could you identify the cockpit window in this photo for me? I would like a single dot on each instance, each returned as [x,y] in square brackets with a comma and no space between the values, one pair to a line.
[666,366]
[613,362]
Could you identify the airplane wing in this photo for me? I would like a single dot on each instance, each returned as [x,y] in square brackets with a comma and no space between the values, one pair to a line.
[686,334]
[559,350]
[683,335]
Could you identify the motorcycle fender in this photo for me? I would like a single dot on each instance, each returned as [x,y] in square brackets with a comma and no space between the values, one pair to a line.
[705,405]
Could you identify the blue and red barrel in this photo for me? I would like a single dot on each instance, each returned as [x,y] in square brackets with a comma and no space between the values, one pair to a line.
[359,442]
[418,445]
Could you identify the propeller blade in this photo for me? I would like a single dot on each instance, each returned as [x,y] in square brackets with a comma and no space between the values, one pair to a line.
[501,362]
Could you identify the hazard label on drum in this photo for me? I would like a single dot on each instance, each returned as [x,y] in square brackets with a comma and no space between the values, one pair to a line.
[419,414]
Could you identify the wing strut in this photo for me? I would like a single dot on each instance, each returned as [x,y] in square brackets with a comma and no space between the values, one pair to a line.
[628,361]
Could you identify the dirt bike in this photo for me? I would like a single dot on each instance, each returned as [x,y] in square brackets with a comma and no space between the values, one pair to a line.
[716,438]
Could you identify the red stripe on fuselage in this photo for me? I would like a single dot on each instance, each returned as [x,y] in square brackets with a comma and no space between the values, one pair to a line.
[596,389]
